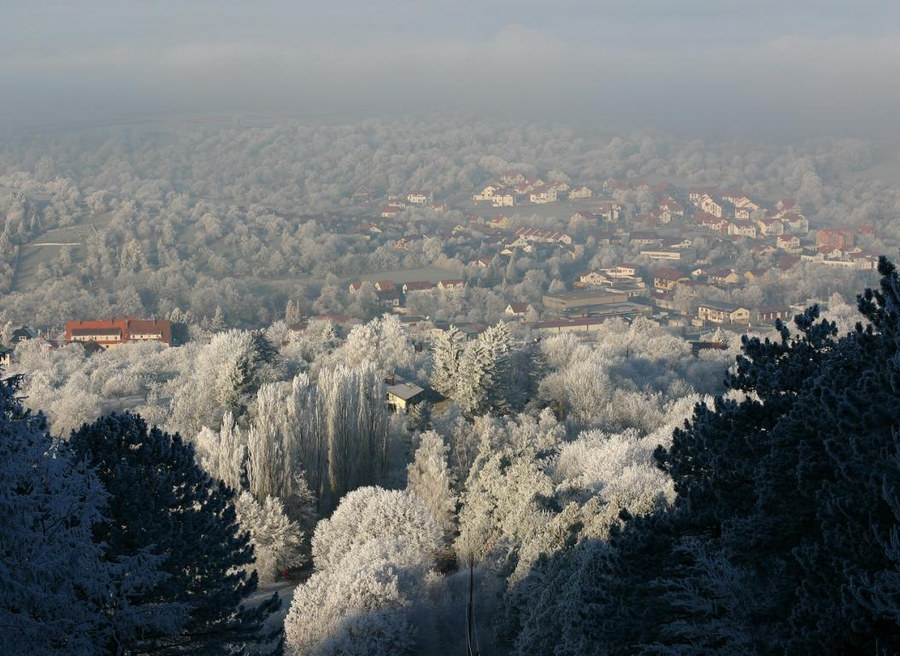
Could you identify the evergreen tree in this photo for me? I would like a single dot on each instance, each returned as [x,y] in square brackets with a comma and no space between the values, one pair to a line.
[162,503]
[448,350]
[483,380]
[52,575]
[784,533]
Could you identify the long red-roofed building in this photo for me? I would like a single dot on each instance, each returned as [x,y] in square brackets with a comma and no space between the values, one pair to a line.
[109,333]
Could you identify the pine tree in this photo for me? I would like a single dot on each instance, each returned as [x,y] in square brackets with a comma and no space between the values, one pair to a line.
[448,350]
[162,503]
[784,533]
[52,574]
[484,373]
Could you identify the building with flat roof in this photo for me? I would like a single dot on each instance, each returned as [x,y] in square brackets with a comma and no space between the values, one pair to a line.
[582,300]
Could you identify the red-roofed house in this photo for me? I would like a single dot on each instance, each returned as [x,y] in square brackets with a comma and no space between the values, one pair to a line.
[666,279]
[109,333]
[423,286]
[834,239]
[518,310]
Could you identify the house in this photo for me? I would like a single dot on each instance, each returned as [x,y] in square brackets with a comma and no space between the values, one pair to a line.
[592,323]
[388,298]
[418,287]
[667,278]
[543,194]
[559,326]
[402,396]
[22,334]
[367,227]
[670,209]
[499,221]
[663,300]
[452,283]
[724,277]
[788,206]
[540,235]
[595,279]
[624,270]
[559,186]
[711,222]
[419,197]
[770,313]
[110,333]
[581,301]
[723,313]
[739,200]
[385,286]
[796,223]
[483,262]
[503,199]
[789,243]
[609,211]
[742,229]
[666,254]
[518,310]
[487,192]
[709,205]
[522,189]
[581,193]
[835,239]
[770,227]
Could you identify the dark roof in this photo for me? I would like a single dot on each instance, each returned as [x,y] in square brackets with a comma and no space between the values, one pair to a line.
[405,391]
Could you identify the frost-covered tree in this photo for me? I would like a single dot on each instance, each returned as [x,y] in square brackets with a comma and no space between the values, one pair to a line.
[372,512]
[783,532]
[429,478]
[371,560]
[278,542]
[356,427]
[223,453]
[484,374]
[382,341]
[448,350]
[225,377]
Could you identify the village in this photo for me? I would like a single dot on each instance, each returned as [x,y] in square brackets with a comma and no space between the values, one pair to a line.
[678,251]
[671,278]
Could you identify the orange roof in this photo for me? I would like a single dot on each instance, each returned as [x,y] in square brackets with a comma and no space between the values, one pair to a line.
[120,329]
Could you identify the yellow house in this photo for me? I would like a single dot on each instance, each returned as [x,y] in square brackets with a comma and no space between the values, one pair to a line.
[402,396]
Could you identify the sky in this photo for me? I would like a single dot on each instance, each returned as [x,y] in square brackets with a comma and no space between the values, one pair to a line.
[749,68]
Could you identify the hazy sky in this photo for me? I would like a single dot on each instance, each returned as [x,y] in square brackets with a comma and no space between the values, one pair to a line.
[761,67]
